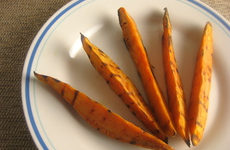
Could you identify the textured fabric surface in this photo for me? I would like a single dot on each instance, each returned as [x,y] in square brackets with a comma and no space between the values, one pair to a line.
[20,20]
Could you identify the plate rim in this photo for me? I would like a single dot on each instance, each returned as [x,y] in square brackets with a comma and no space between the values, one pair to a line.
[26,73]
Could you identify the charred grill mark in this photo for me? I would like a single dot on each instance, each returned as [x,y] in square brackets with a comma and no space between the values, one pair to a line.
[118,138]
[134,113]
[139,93]
[90,47]
[139,74]
[110,65]
[203,105]
[114,75]
[152,67]
[104,64]
[199,124]
[157,131]
[127,42]
[107,81]
[183,115]
[101,51]
[132,142]
[74,98]
[63,90]
[92,110]
[170,41]
[118,68]
[177,70]
[124,23]
[209,69]
[56,80]
[109,111]
[44,76]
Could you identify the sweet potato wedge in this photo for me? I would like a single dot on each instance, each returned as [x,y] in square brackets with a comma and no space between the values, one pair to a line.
[134,44]
[102,119]
[122,86]
[175,92]
[199,99]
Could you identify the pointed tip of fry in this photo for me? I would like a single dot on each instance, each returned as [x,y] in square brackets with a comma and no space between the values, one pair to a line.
[40,77]
[195,140]
[166,140]
[208,24]
[166,19]
[166,13]
[121,9]
[36,74]
[166,10]
[187,141]
[82,36]
[120,12]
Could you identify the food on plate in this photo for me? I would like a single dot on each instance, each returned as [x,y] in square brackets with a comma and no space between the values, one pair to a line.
[102,119]
[122,86]
[199,98]
[134,44]
[175,92]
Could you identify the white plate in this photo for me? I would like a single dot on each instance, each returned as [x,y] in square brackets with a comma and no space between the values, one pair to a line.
[57,51]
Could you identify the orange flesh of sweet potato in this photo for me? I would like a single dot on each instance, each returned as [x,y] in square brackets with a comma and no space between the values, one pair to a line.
[122,86]
[199,100]
[139,55]
[102,119]
[176,96]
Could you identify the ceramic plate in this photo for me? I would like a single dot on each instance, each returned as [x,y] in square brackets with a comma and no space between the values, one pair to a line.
[57,51]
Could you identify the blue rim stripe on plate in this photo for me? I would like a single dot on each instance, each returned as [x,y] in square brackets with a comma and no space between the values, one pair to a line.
[31,117]
[28,78]
[212,13]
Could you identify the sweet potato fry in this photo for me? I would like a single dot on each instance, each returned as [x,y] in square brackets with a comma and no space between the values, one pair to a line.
[199,100]
[122,86]
[139,55]
[176,96]
[102,119]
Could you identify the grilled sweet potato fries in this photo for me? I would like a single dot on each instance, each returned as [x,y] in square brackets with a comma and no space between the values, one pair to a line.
[163,119]
[199,100]
[134,44]
[176,96]
[122,86]
[102,118]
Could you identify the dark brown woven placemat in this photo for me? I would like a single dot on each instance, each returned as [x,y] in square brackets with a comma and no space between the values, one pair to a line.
[20,20]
